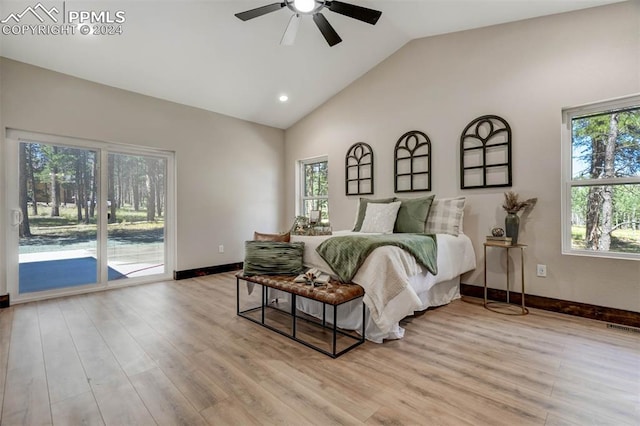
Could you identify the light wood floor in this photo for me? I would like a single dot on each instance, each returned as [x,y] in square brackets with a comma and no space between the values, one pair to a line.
[176,353]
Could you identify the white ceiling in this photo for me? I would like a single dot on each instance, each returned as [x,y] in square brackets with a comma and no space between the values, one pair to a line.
[197,53]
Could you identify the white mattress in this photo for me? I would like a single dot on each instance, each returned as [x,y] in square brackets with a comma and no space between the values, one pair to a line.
[423,290]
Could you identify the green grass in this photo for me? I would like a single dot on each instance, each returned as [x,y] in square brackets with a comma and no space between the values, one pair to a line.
[622,240]
[69,216]
[131,226]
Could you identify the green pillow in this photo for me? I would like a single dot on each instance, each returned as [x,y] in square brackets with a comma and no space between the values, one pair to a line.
[273,258]
[362,210]
[412,216]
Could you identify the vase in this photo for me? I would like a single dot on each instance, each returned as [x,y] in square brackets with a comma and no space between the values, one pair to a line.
[512,226]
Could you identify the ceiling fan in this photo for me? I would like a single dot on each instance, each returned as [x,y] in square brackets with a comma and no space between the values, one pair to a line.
[314,7]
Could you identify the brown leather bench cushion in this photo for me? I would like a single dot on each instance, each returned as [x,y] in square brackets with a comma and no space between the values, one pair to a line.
[334,293]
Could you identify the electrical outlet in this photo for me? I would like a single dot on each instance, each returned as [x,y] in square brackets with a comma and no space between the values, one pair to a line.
[220,248]
[541,270]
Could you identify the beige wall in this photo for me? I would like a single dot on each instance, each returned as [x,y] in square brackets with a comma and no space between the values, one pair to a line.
[229,171]
[525,72]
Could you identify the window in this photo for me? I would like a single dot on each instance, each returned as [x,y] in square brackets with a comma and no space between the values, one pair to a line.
[601,174]
[314,187]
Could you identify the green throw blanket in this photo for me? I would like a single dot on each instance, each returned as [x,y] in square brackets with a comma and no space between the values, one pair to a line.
[346,254]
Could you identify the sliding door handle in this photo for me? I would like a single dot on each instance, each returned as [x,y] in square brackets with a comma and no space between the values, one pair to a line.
[16,217]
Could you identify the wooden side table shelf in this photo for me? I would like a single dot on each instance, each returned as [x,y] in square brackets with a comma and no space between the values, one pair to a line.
[491,305]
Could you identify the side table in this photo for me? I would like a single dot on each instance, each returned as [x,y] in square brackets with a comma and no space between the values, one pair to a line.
[490,304]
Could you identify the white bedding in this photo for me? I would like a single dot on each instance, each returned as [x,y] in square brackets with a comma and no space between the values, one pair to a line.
[421,288]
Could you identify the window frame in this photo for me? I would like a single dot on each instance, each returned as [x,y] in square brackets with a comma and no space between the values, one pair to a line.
[14,137]
[568,114]
[300,192]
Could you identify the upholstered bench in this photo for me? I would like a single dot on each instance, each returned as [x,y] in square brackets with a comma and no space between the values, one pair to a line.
[333,293]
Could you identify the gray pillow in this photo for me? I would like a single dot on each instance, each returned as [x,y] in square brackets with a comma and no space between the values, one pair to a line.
[413,213]
[273,258]
[362,210]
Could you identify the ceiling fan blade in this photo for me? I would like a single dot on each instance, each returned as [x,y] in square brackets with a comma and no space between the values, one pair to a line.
[326,29]
[360,13]
[259,11]
[289,35]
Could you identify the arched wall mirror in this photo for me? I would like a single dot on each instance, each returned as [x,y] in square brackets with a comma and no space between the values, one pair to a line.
[358,171]
[412,167]
[485,153]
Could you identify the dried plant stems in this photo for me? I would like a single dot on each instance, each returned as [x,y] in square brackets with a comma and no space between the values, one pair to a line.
[513,205]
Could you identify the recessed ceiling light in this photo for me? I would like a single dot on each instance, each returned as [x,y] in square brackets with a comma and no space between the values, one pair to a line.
[283,98]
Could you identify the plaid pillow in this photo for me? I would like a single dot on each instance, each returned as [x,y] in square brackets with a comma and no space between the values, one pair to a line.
[445,216]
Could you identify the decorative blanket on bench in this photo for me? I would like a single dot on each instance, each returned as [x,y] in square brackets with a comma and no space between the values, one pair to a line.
[346,254]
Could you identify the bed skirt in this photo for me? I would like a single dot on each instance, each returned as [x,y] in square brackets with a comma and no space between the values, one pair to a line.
[350,314]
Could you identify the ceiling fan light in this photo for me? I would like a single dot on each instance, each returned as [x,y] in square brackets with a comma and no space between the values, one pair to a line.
[304,6]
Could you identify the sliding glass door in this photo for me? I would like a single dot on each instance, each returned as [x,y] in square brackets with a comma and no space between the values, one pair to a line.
[57,232]
[85,215]
[135,213]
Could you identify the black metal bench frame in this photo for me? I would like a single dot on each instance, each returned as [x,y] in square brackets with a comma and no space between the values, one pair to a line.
[294,317]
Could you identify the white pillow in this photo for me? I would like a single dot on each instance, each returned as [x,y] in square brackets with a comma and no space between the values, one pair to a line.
[445,216]
[380,218]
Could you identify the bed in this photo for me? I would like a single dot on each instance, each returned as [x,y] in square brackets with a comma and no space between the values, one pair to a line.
[420,288]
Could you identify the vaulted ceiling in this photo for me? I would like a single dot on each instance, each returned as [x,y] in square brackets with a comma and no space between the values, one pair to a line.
[198,53]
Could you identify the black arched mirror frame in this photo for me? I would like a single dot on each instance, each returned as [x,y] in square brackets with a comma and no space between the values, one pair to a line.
[358,165]
[412,164]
